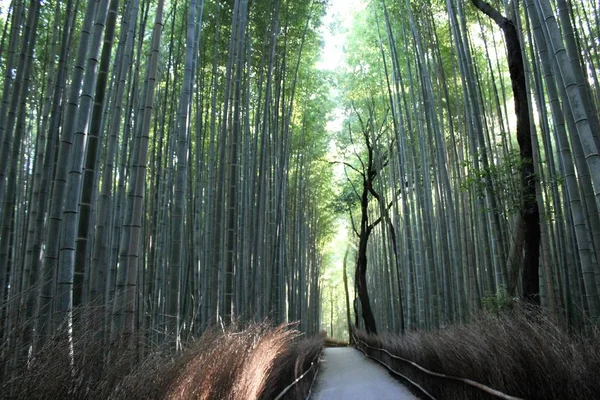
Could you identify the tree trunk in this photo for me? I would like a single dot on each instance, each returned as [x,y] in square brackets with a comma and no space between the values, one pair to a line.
[529,207]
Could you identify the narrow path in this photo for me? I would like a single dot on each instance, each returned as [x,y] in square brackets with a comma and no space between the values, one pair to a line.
[347,374]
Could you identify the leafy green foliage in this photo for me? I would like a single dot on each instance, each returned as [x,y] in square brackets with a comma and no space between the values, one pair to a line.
[501,180]
[499,303]
[346,199]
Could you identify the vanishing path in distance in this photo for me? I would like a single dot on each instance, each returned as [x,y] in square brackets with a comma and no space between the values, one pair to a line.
[347,374]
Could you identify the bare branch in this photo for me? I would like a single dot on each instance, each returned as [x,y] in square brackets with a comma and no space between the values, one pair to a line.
[378,220]
[375,194]
[354,149]
[373,224]
[351,184]
[352,222]
[488,10]
[349,166]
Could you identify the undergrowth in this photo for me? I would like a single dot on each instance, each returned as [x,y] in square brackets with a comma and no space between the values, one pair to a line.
[520,353]
[257,361]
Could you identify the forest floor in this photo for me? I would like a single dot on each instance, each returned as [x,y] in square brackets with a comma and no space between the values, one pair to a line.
[347,374]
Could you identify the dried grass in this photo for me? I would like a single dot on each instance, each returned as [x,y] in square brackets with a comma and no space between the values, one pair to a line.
[521,353]
[50,373]
[256,362]
[252,362]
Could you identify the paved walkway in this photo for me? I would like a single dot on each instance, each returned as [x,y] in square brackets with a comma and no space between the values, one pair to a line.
[347,374]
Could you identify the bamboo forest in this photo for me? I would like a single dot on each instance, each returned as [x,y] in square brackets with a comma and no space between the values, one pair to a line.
[172,170]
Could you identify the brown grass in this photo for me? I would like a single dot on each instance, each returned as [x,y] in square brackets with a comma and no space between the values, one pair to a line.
[521,353]
[257,362]
[253,362]
[51,374]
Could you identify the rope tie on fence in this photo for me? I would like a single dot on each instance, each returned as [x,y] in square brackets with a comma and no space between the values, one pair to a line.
[469,382]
